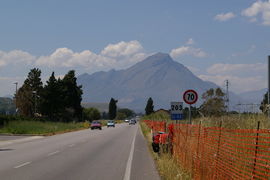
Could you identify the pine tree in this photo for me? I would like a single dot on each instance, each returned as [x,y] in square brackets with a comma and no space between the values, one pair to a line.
[28,96]
[72,96]
[52,99]
[149,106]
[112,108]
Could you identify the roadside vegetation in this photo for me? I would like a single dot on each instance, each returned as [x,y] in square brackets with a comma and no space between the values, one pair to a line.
[167,166]
[231,121]
[54,107]
[212,113]
[39,127]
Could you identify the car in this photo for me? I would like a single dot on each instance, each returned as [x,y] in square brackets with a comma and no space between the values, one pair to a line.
[96,125]
[126,120]
[132,121]
[110,123]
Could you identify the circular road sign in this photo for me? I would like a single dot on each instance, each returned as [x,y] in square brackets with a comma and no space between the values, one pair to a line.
[190,96]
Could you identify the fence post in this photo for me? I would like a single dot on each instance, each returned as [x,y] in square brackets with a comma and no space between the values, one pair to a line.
[197,151]
[219,137]
[202,162]
[186,146]
[256,150]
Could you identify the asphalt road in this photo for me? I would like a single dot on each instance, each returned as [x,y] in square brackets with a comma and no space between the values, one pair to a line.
[113,153]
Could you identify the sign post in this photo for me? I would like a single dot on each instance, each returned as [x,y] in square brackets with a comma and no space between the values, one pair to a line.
[190,97]
[176,110]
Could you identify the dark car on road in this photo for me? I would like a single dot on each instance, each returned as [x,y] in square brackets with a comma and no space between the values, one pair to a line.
[96,125]
[132,121]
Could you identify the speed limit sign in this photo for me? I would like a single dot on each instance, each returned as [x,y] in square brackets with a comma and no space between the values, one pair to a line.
[190,96]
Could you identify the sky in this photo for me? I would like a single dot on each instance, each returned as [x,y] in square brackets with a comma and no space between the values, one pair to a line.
[216,40]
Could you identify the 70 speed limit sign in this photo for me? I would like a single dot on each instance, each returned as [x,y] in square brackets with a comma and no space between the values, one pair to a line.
[190,96]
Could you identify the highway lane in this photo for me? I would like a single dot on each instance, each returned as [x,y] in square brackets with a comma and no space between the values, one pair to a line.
[108,154]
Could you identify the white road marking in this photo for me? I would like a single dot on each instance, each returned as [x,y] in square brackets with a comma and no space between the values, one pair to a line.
[55,152]
[22,140]
[24,164]
[130,158]
[71,145]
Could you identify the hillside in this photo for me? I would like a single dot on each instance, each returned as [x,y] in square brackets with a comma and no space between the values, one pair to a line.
[158,76]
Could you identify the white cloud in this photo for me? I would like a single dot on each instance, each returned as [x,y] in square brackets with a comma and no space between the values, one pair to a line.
[237,68]
[242,77]
[190,41]
[117,56]
[187,50]
[237,84]
[224,16]
[122,49]
[64,57]
[15,57]
[258,8]
[7,85]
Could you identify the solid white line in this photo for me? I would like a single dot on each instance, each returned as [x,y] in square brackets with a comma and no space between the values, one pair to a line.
[55,152]
[130,158]
[24,164]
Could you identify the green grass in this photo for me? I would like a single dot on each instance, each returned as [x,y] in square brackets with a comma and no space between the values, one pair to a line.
[167,167]
[39,128]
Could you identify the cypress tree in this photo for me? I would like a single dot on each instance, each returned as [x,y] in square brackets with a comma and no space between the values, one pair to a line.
[149,106]
[112,108]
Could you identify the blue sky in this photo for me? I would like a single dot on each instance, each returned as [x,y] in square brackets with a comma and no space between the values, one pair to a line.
[216,40]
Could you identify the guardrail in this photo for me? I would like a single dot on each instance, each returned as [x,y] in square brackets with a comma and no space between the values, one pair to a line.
[219,153]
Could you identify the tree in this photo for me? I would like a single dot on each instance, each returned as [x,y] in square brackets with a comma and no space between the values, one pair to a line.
[91,114]
[121,116]
[264,103]
[72,96]
[28,96]
[127,112]
[52,99]
[214,103]
[149,106]
[112,108]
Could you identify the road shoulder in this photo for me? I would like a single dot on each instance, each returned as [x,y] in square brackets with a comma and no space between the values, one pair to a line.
[143,166]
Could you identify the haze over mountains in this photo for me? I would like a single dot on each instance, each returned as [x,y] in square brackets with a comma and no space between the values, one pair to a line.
[158,76]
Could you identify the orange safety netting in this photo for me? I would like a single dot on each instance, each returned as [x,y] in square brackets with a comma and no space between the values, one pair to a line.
[156,125]
[219,153]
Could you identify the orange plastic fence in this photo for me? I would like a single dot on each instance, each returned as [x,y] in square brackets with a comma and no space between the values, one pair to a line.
[156,125]
[219,153]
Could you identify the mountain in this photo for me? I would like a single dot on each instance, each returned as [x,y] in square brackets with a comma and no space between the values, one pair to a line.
[7,105]
[253,96]
[158,76]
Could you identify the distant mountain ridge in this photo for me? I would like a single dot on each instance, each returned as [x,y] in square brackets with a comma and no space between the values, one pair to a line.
[158,76]
[253,96]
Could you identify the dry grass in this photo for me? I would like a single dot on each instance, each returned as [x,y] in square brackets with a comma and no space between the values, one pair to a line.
[167,166]
[241,121]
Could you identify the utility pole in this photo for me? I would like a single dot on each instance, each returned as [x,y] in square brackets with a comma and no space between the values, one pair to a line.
[227,96]
[35,101]
[16,83]
[268,87]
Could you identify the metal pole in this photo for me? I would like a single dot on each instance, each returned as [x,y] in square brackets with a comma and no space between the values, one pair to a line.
[256,150]
[16,83]
[268,86]
[189,114]
[35,103]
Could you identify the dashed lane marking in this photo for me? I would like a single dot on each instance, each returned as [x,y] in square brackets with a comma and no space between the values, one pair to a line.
[21,165]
